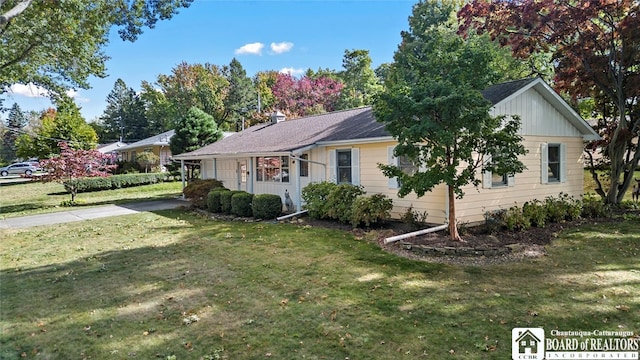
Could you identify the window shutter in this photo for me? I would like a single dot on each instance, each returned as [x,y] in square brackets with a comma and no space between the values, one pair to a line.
[563,163]
[544,163]
[511,180]
[392,160]
[332,167]
[355,166]
[486,175]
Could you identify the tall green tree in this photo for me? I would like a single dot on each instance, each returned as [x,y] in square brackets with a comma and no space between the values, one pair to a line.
[193,131]
[160,114]
[432,104]
[360,81]
[125,116]
[196,85]
[59,44]
[241,99]
[16,121]
[64,124]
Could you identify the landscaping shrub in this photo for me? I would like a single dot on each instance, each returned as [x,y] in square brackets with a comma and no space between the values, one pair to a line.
[594,207]
[562,208]
[114,182]
[340,201]
[536,212]
[225,200]
[213,200]
[514,219]
[198,190]
[370,210]
[315,196]
[266,206]
[327,200]
[494,220]
[241,204]
[414,219]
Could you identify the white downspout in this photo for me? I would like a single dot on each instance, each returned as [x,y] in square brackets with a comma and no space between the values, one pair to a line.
[391,239]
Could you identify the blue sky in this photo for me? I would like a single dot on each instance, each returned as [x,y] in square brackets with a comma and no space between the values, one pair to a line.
[261,34]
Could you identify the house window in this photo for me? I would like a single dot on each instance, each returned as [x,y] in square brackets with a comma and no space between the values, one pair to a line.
[553,156]
[304,165]
[406,165]
[272,168]
[344,166]
[498,180]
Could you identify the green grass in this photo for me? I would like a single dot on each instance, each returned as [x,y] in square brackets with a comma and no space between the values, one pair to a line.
[122,287]
[35,197]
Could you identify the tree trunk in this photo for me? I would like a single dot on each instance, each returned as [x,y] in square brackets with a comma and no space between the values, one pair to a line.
[453,226]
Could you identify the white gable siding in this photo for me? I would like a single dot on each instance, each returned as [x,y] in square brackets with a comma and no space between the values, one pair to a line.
[539,117]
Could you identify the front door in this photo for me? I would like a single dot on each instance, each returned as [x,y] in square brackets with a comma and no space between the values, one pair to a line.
[242,175]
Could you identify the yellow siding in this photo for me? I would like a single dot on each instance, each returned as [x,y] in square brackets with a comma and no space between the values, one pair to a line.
[374,182]
[528,184]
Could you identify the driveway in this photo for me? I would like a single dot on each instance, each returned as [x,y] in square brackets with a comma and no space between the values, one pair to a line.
[91,213]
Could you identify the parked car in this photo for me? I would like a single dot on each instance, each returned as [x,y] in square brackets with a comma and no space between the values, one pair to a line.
[18,168]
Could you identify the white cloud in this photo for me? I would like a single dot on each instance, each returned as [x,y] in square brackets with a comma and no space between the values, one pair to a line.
[35,91]
[252,49]
[29,90]
[292,71]
[283,47]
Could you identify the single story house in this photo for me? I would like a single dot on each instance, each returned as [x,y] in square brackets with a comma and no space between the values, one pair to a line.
[347,146]
[157,144]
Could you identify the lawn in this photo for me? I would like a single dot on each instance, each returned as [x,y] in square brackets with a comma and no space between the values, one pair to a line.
[176,285]
[35,197]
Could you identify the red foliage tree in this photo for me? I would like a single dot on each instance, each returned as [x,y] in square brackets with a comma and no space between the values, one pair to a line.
[305,96]
[596,53]
[72,164]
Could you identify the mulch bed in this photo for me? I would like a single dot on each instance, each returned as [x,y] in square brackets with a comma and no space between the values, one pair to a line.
[517,245]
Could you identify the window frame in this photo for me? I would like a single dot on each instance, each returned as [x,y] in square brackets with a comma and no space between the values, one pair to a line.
[266,173]
[344,167]
[555,164]
[304,165]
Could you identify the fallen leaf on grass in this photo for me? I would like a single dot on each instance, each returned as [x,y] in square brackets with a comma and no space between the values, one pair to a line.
[623,307]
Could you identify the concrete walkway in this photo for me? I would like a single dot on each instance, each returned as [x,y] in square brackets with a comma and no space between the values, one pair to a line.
[90,213]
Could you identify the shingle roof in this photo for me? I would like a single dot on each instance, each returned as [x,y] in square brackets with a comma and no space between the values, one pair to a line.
[160,139]
[298,133]
[354,124]
[499,92]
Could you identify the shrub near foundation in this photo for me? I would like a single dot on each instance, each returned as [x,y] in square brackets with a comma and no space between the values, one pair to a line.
[369,210]
[214,204]
[266,206]
[198,190]
[225,200]
[241,204]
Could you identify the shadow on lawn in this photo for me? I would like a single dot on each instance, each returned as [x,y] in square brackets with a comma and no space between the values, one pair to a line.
[236,277]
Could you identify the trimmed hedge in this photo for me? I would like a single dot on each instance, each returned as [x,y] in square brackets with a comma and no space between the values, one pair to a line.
[225,200]
[369,210]
[267,206]
[241,204]
[198,190]
[213,200]
[116,181]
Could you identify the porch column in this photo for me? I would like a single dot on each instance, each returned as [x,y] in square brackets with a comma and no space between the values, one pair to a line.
[182,176]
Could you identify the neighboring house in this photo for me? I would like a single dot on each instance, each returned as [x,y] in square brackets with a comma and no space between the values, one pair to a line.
[347,146]
[111,149]
[158,144]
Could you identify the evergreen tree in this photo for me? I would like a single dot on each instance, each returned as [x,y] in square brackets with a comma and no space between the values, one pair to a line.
[16,121]
[242,96]
[125,116]
[360,81]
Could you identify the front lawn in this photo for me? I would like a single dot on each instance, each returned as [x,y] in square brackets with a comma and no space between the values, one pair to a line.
[36,197]
[174,285]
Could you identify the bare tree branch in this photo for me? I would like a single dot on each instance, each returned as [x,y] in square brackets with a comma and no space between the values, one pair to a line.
[17,10]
